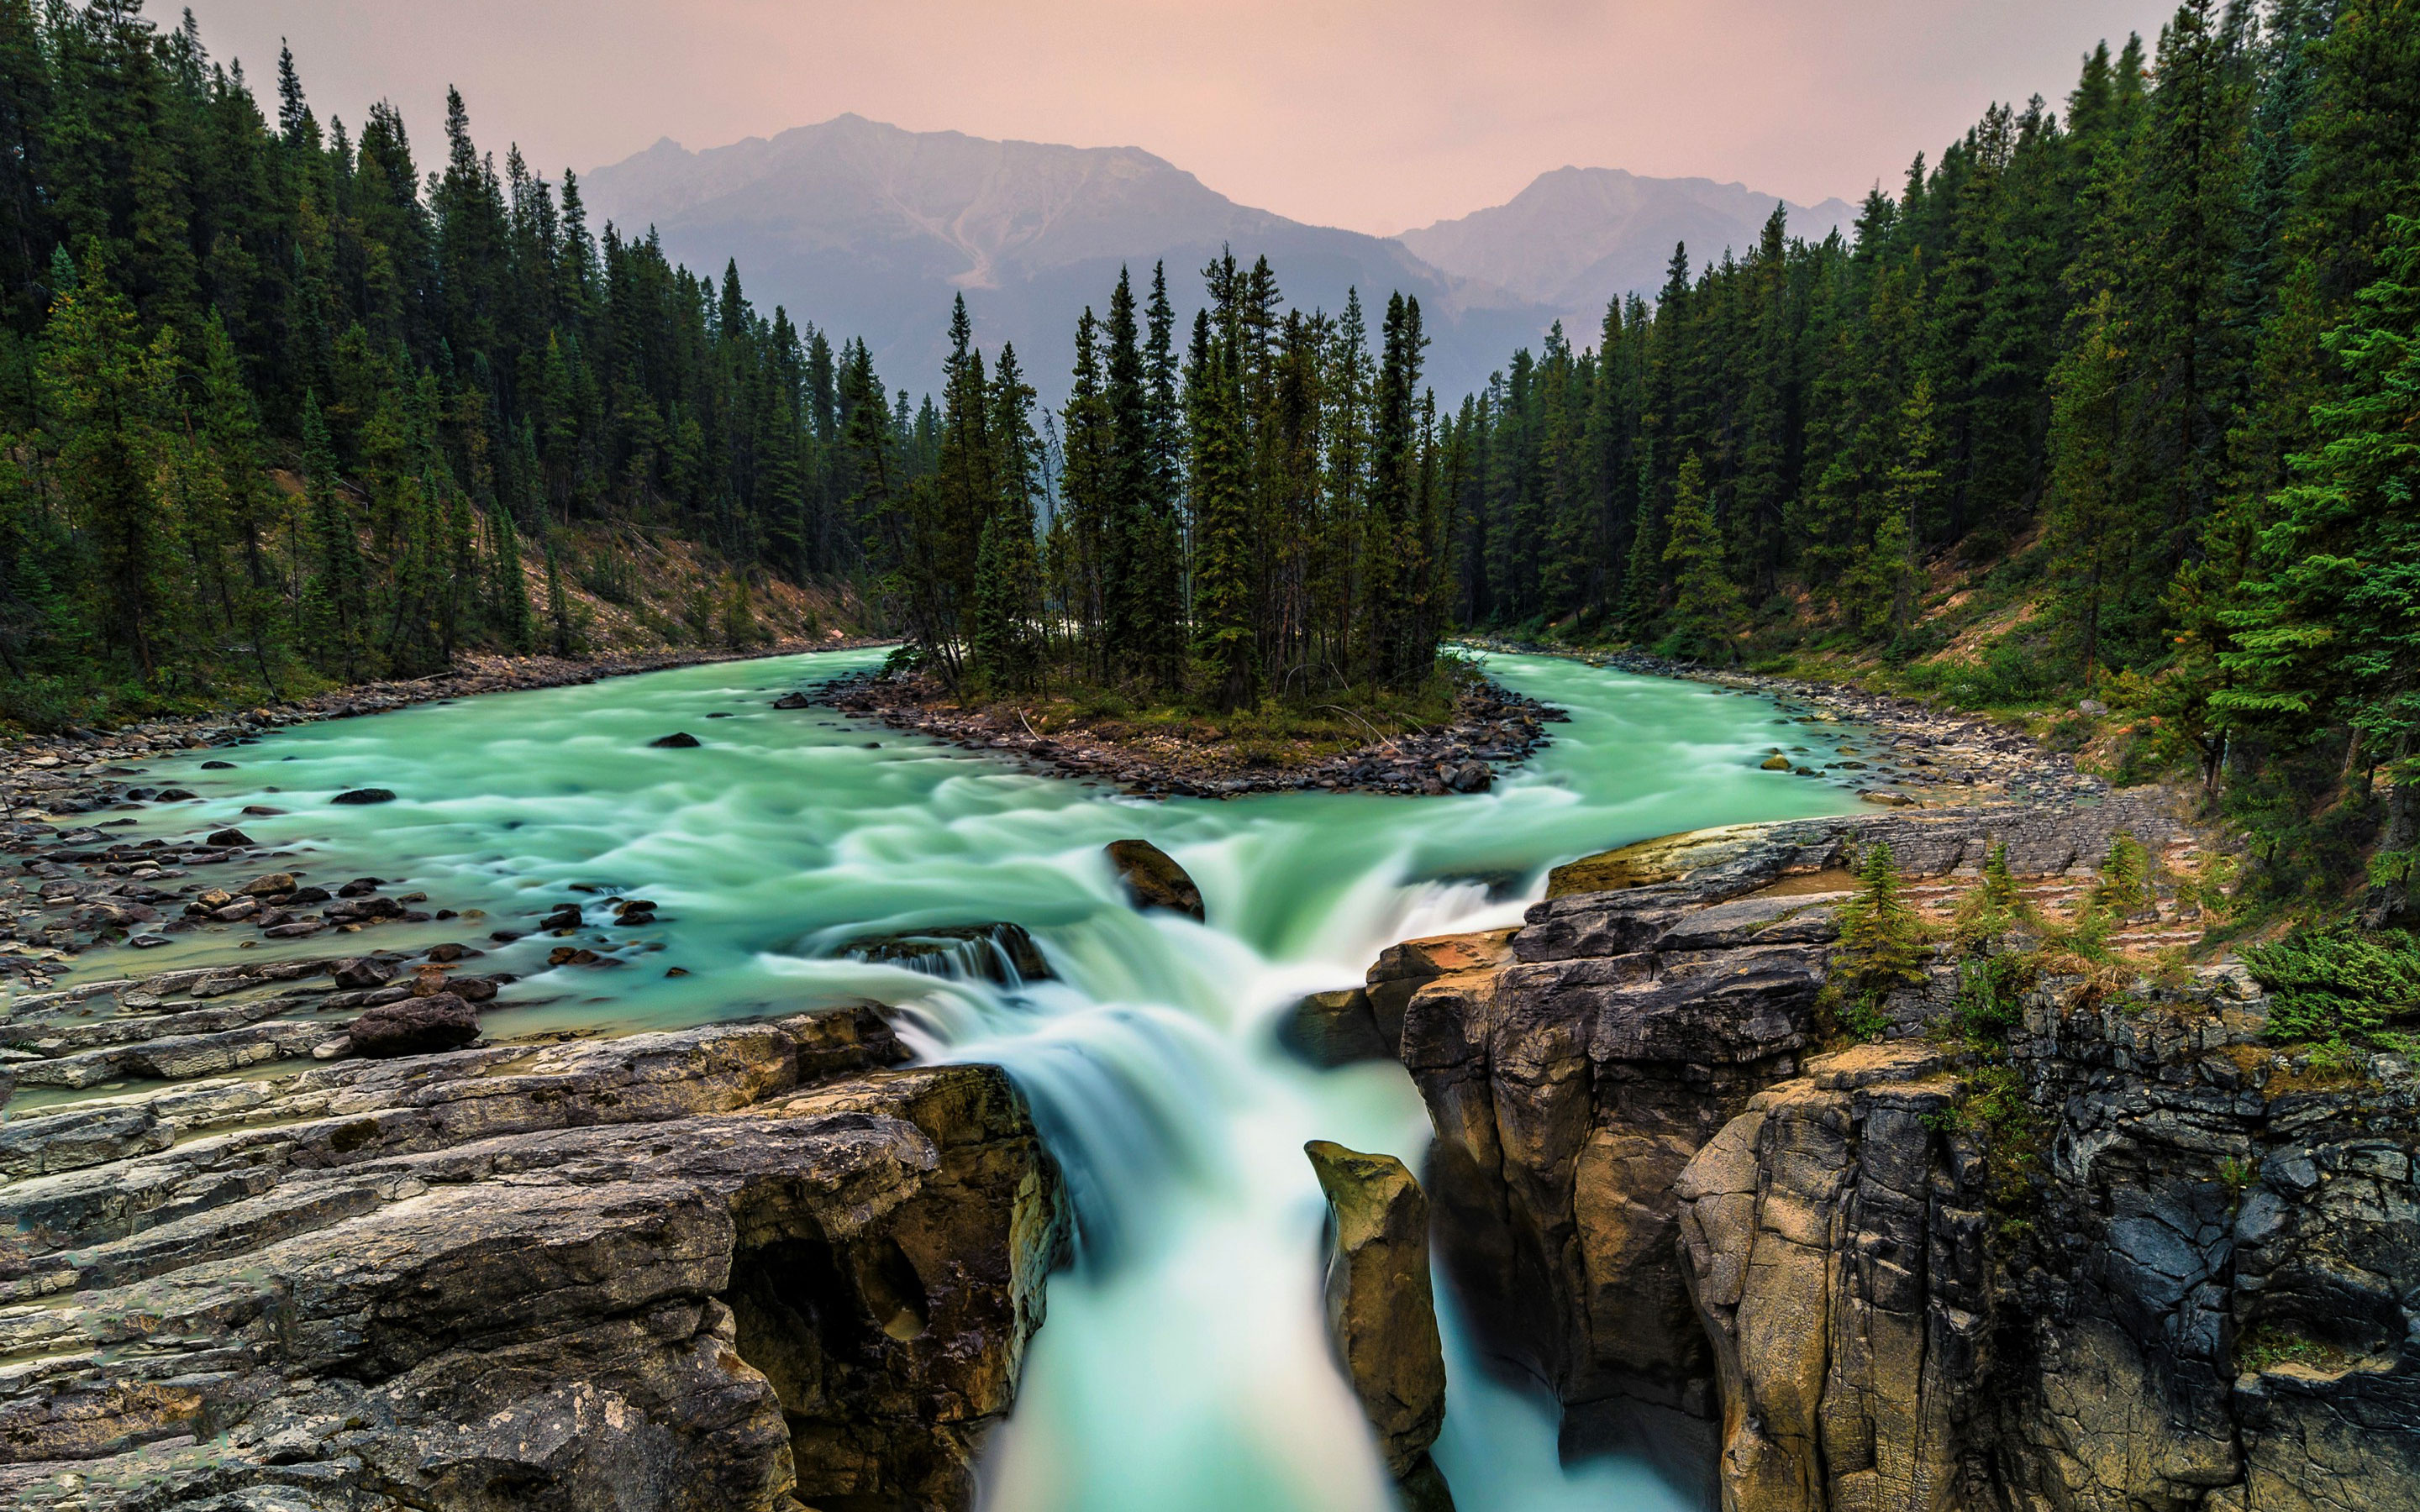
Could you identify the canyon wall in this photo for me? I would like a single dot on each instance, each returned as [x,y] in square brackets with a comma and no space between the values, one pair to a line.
[2127,1256]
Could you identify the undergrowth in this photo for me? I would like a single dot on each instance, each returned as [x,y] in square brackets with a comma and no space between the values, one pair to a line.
[2340,989]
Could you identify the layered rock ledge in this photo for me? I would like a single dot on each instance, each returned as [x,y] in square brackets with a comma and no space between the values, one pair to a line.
[2133,1259]
[741,1267]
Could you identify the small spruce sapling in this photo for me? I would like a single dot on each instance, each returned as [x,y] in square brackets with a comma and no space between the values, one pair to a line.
[1881,947]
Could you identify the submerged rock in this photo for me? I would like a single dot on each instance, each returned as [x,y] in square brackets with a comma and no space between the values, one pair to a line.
[1380,1312]
[1152,879]
[1003,954]
[362,795]
[1333,1029]
[677,740]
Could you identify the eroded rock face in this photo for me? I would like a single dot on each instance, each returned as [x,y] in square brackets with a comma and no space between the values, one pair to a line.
[740,1267]
[1568,1088]
[1380,1311]
[1838,1260]
[2172,1271]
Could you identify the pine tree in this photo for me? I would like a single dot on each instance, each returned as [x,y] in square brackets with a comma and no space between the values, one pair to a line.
[1880,946]
[1706,603]
[338,603]
[2329,631]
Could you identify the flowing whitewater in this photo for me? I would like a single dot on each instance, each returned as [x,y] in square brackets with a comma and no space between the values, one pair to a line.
[1185,1364]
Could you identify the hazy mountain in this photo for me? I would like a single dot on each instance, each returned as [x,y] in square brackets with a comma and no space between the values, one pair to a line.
[1578,236]
[866,229]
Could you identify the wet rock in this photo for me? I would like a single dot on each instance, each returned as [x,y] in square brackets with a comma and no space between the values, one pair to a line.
[218,767]
[732,1269]
[677,740]
[1152,879]
[1004,954]
[1402,969]
[229,839]
[415,1027]
[1380,1313]
[1333,1029]
[269,884]
[1472,777]
[361,971]
[1776,763]
[365,796]
[793,700]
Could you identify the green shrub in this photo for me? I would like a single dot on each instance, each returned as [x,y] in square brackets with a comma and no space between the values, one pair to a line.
[1990,995]
[2339,987]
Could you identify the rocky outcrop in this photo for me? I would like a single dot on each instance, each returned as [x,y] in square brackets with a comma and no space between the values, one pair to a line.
[2131,1258]
[1152,879]
[1835,1240]
[740,1267]
[1380,1312]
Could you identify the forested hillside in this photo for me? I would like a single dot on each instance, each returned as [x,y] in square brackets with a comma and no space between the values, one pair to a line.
[274,410]
[2120,400]
[2116,400]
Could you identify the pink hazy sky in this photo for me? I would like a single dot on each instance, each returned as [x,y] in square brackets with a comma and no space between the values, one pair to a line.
[1376,116]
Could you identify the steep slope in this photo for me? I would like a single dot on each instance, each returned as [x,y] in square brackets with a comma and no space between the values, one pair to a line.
[865,228]
[1578,236]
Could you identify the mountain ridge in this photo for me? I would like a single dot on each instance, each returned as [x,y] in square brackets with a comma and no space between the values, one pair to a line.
[867,229]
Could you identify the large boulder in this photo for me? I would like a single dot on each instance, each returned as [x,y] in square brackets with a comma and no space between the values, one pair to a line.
[416,1027]
[1152,879]
[1380,1312]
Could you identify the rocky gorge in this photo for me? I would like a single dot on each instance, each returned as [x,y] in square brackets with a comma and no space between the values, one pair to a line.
[2132,1255]
[314,1222]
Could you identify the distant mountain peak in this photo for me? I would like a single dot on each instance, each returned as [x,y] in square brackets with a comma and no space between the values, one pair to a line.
[866,228]
[1576,238]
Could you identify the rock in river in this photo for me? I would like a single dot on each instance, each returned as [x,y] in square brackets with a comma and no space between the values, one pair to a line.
[1333,1029]
[360,795]
[416,1027]
[1379,1309]
[1152,879]
[677,740]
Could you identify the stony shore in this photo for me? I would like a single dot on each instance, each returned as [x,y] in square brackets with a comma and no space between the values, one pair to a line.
[77,886]
[1491,727]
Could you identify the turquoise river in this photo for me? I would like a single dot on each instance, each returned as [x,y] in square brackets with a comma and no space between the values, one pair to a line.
[1184,1366]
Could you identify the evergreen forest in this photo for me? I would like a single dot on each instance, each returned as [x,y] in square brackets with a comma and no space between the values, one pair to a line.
[2117,403]
[2114,400]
